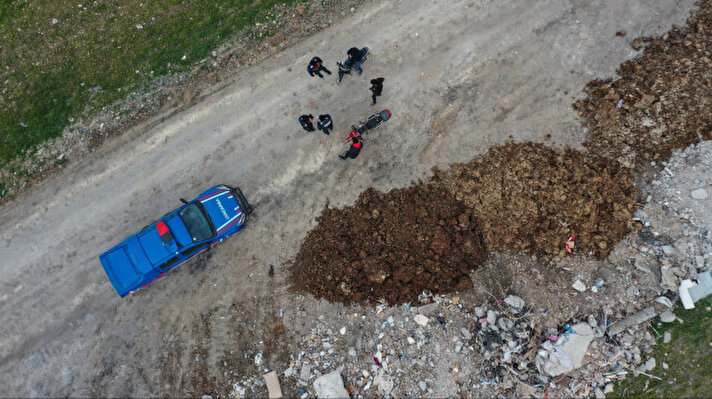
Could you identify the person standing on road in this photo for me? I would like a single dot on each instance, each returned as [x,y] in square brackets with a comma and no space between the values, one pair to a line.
[354,150]
[306,122]
[325,123]
[376,88]
[316,66]
[354,59]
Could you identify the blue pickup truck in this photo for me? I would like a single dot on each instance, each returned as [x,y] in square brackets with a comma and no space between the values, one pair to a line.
[160,247]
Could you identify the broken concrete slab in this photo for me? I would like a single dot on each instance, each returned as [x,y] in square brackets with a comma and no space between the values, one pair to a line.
[632,320]
[703,287]
[684,291]
[579,286]
[427,309]
[383,382]
[667,316]
[330,386]
[274,391]
[515,302]
[305,373]
[421,320]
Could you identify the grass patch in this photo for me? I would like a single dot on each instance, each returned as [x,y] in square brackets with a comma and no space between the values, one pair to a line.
[688,356]
[64,60]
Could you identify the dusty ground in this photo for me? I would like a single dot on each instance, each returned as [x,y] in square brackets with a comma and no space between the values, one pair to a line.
[460,80]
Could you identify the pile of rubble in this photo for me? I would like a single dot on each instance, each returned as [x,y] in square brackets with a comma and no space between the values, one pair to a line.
[445,348]
[447,345]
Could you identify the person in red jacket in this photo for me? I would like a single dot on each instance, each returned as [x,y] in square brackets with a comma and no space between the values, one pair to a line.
[354,150]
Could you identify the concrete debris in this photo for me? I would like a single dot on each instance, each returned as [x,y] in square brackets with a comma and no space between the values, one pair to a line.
[421,320]
[649,365]
[667,316]
[273,389]
[518,345]
[699,194]
[684,292]
[515,303]
[579,286]
[664,301]
[330,386]
[305,373]
[526,390]
[427,309]
[383,382]
[632,320]
[632,291]
[703,287]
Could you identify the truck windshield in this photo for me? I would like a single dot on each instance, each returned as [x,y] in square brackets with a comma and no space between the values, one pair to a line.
[195,221]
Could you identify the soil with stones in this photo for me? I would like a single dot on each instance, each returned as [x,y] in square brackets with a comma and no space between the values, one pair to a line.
[391,246]
[660,103]
[528,197]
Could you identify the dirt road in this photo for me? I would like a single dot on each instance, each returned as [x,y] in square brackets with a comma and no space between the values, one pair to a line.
[461,76]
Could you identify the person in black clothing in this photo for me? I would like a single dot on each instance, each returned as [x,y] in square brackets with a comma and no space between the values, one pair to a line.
[354,150]
[325,123]
[316,66]
[354,59]
[376,88]
[306,122]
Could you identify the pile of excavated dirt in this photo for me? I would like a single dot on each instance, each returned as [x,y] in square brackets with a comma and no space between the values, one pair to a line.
[660,103]
[528,197]
[517,197]
[390,246]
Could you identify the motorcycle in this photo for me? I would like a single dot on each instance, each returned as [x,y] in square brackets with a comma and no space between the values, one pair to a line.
[373,121]
[345,67]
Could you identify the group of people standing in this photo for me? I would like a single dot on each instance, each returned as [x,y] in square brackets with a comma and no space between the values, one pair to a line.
[324,121]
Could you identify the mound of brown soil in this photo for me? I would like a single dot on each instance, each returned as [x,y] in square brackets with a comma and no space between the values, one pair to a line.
[392,246]
[662,100]
[528,197]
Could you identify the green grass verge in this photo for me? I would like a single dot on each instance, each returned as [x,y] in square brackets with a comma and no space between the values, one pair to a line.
[61,60]
[688,356]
